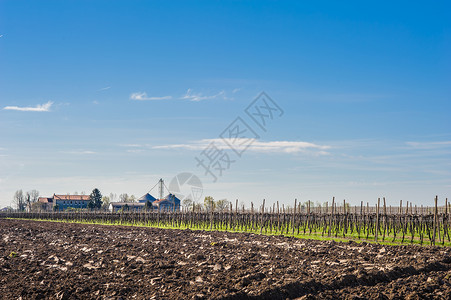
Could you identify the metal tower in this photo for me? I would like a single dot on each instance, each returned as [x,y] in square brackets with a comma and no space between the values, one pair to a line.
[161,182]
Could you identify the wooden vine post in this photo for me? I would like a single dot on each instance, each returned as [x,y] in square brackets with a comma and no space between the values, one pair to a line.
[384,220]
[435,221]
[331,217]
[377,218]
[294,215]
[262,217]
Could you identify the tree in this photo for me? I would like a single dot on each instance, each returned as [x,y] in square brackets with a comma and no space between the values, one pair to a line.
[123,198]
[222,204]
[187,203]
[19,200]
[113,197]
[348,206]
[34,196]
[209,203]
[91,205]
[197,206]
[105,202]
[148,205]
[28,201]
[132,198]
[306,204]
[37,206]
[95,199]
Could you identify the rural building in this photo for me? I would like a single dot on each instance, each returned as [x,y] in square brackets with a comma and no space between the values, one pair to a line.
[43,203]
[126,206]
[63,202]
[147,197]
[170,202]
[133,206]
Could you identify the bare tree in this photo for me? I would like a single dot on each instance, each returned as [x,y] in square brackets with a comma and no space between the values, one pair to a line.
[187,203]
[197,206]
[19,200]
[123,197]
[28,201]
[105,202]
[34,196]
[209,203]
[113,197]
[222,205]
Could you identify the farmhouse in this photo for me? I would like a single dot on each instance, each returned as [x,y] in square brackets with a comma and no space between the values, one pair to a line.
[170,202]
[63,202]
[44,203]
[132,206]
[127,206]
[147,197]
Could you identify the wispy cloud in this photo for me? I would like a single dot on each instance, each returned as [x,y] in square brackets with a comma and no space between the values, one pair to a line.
[81,152]
[255,145]
[39,107]
[1,35]
[135,150]
[189,95]
[104,88]
[142,96]
[429,145]
[131,145]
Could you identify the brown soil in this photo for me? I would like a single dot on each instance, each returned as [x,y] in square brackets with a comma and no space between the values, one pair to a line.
[44,260]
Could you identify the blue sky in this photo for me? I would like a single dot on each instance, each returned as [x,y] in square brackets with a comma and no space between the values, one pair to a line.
[116,94]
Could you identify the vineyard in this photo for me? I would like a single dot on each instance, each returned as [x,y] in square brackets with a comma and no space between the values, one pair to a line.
[379,223]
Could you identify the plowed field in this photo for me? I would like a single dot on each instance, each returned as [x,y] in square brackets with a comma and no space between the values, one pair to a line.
[46,260]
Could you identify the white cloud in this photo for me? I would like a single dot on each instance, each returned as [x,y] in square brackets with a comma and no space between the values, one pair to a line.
[199,96]
[189,95]
[39,107]
[131,145]
[142,96]
[82,152]
[429,145]
[255,145]
[135,150]
[104,88]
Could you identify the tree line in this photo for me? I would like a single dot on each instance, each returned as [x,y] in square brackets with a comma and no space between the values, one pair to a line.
[21,200]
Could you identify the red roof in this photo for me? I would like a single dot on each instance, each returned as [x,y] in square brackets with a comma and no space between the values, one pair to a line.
[45,200]
[72,197]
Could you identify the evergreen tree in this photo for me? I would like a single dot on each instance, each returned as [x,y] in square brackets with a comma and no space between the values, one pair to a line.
[95,199]
[148,205]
